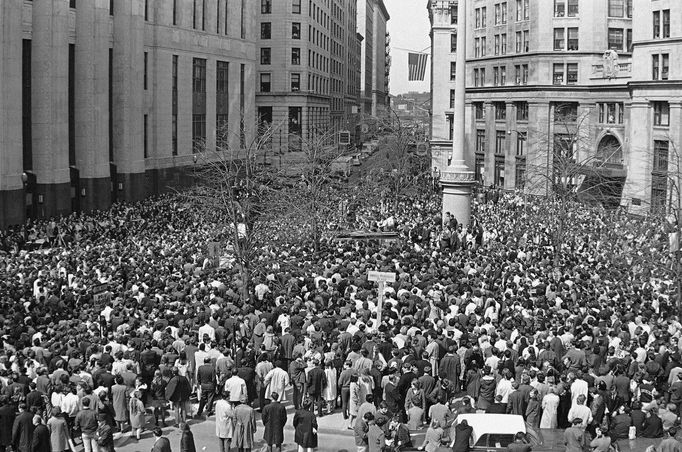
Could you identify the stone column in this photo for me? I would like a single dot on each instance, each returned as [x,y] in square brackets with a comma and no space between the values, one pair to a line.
[128,99]
[12,207]
[91,104]
[49,106]
[637,190]
[457,179]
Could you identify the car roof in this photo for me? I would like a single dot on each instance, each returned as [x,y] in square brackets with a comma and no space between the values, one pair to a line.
[484,423]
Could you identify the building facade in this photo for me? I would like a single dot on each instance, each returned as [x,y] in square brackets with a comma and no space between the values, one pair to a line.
[306,80]
[375,59]
[108,100]
[593,77]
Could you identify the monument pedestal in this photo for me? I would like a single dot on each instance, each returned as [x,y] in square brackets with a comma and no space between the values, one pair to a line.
[457,181]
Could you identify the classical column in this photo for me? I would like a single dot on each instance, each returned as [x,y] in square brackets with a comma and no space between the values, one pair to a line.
[637,190]
[456,179]
[11,187]
[128,98]
[91,98]
[49,106]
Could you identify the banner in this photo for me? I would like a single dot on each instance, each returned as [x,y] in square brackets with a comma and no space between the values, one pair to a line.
[416,63]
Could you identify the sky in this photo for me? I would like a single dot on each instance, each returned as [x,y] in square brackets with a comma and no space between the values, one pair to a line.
[409,28]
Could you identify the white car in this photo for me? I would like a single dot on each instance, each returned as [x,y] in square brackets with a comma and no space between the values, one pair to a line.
[494,432]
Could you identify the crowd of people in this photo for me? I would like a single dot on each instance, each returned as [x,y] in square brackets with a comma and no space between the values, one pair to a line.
[112,323]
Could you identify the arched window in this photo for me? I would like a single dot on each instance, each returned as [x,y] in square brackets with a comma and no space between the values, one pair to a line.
[610,150]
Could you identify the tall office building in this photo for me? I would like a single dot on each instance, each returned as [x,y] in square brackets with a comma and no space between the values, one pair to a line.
[375,59]
[539,73]
[105,100]
[306,83]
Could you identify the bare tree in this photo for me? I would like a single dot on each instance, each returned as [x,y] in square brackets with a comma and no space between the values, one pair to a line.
[232,191]
[572,172]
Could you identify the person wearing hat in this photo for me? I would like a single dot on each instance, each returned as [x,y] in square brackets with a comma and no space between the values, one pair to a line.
[574,436]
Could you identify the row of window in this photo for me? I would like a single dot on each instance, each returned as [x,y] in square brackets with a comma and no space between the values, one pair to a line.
[570,8]
[500,75]
[266,30]
[661,24]
[315,83]
[500,47]
[266,56]
[266,6]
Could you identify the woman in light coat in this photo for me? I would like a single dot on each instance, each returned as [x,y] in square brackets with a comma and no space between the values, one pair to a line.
[550,405]
[224,422]
[59,431]
[329,392]
[276,381]
[137,414]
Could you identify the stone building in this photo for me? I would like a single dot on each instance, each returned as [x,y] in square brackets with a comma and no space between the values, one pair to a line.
[104,100]
[597,78]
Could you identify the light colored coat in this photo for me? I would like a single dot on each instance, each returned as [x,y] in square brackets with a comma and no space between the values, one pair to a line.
[59,433]
[224,419]
[277,381]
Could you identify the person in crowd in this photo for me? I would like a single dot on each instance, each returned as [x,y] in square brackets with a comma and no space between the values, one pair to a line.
[435,436]
[187,439]
[274,417]
[305,427]
[519,444]
[161,443]
[224,422]
[104,435]
[137,414]
[88,422]
[244,427]
[59,431]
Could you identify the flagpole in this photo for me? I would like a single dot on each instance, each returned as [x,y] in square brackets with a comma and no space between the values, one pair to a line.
[456,179]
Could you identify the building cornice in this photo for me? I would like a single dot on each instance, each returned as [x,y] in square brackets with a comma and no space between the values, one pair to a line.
[531,55]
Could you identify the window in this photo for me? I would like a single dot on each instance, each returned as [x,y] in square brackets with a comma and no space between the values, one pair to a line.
[559,8]
[524,74]
[659,173]
[572,8]
[565,111]
[616,39]
[500,141]
[661,24]
[222,77]
[199,75]
[265,30]
[296,56]
[111,7]
[571,73]
[266,6]
[504,12]
[517,74]
[296,30]
[558,74]
[520,173]
[628,41]
[657,24]
[479,111]
[198,131]
[497,44]
[453,14]
[573,38]
[661,156]
[500,111]
[295,115]
[497,14]
[477,47]
[503,43]
[145,136]
[453,71]
[610,113]
[526,9]
[628,8]
[265,83]
[526,41]
[174,105]
[478,18]
[452,98]
[666,23]
[480,141]
[519,42]
[477,78]
[295,82]
[519,10]
[265,55]
[661,113]
[496,76]
[453,42]
[559,39]
[449,118]
[145,69]
[482,71]
[242,30]
[483,17]
[296,6]
[616,8]
[521,138]
[72,4]
[521,111]
[499,170]
[503,75]
[484,46]
[479,167]
[175,14]
[660,66]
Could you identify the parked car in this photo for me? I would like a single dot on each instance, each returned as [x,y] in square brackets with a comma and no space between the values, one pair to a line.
[494,432]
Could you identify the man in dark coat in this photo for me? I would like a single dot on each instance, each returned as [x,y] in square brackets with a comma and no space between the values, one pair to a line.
[161,443]
[6,422]
[22,430]
[206,379]
[463,433]
[274,417]
[248,374]
[306,426]
[149,361]
[315,385]
[41,436]
[298,377]
[178,391]
[450,366]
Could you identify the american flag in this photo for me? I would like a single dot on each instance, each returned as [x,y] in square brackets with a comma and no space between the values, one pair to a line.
[416,63]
